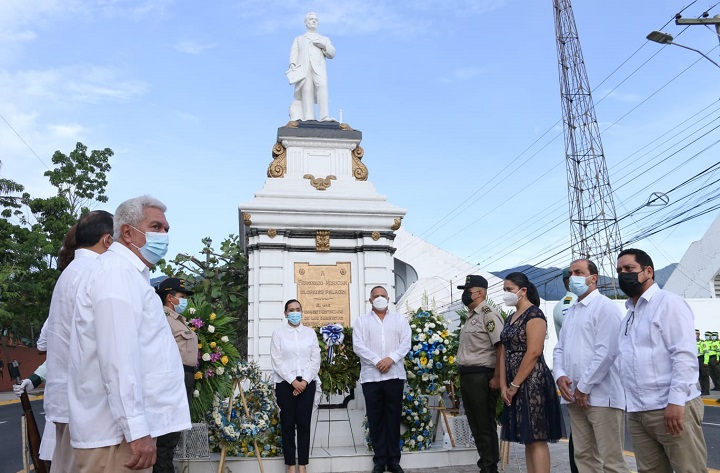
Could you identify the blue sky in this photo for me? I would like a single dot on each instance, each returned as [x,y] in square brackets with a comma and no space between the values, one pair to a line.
[458,102]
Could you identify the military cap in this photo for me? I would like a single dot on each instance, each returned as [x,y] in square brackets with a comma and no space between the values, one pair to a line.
[474,280]
[173,285]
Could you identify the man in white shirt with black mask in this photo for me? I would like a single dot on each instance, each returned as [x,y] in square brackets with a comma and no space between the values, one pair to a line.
[657,356]
[587,375]
[381,339]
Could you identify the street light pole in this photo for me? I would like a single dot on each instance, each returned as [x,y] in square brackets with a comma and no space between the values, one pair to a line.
[664,38]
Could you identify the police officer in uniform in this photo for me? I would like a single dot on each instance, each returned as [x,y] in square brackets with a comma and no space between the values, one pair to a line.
[704,375]
[479,377]
[712,346]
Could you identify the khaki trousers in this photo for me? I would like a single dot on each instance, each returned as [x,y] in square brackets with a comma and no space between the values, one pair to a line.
[657,451]
[63,460]
[105,459]
[598,436]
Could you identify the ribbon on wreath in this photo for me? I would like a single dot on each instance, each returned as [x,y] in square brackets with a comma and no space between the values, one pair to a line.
[332,335]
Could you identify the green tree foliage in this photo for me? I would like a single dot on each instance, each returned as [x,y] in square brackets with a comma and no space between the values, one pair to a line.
[32,230]
[219,279]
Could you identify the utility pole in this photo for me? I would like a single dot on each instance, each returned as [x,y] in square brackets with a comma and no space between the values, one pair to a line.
[594,228]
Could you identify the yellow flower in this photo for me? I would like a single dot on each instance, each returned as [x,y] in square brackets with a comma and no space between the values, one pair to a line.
[213,344]
[199,346]
[198,375]
[423,360]
[224,360]
[212,316]
[451,359]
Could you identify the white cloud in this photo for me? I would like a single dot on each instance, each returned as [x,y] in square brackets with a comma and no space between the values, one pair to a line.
[191,47]
[66,130]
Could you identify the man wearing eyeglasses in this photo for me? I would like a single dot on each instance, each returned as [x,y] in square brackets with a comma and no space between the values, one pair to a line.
[479,376]
[587,375]
[658,368]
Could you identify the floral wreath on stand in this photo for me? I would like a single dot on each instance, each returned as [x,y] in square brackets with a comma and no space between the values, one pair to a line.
[429,363]
[216,353]
[238,432]
[340,367]
[417,420]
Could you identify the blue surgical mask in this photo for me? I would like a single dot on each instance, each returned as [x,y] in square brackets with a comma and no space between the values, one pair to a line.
[294,317]
[577,285]
[182,305]
[155,247]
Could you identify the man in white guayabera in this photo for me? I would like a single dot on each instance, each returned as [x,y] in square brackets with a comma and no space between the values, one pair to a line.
[381,339]
[308,72]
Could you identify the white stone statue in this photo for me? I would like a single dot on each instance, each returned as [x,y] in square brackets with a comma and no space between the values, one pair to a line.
[308,72]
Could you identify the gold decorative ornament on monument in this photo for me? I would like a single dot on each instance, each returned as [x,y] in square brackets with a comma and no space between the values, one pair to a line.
[375,235]
[322,240]
[246,219]
[278,166]
[292,124]
[396,225]
[271,232]
[359,170]
[320,183]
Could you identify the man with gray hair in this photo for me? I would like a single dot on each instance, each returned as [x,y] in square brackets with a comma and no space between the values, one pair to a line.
[125,379]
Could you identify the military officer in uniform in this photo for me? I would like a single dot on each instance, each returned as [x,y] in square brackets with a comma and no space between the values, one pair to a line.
[479,377]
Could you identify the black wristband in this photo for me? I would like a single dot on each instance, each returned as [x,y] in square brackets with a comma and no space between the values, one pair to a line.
[298,378]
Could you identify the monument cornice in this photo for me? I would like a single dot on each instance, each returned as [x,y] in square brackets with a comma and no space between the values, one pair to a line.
[312,249]
[320,144]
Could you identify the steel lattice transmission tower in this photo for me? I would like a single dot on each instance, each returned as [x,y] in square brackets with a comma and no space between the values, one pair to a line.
[595,232]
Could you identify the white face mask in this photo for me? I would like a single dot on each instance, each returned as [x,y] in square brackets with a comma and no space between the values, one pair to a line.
[380,303]
[511,299]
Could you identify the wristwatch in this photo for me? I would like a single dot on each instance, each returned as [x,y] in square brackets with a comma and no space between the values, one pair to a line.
[298,378]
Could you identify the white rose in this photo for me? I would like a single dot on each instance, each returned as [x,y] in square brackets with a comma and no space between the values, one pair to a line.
[211,328]
[420,438]
[196,393]
[220,370]
[206,356]
[191,310]
[225,339]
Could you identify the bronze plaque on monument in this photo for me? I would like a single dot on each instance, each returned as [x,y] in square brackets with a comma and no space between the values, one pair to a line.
[324,293]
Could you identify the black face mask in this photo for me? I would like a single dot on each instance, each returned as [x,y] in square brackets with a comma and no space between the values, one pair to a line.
[467,298]
[630,284]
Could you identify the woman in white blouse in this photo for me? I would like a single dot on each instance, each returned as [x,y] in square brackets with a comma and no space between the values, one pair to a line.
[295,354]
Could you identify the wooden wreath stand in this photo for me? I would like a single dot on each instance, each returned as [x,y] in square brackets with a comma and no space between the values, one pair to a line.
[442,411]
[504,454]
[223,454]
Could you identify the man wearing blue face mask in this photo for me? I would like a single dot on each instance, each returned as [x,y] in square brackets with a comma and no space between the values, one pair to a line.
[125,377]
[585,370]
[174,294]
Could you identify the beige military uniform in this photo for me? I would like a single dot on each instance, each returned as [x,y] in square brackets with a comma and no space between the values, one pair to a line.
[479,336]
[186,339]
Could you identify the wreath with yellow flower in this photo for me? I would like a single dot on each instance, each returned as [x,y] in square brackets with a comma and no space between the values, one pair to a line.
[216,353]
[430,362]
[339,365]
[238,432]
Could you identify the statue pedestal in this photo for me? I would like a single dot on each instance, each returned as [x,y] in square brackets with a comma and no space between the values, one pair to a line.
[317,231]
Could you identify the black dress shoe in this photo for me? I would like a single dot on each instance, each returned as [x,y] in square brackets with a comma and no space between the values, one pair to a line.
[704,393]
[378,469]
[395,469]
[715,389]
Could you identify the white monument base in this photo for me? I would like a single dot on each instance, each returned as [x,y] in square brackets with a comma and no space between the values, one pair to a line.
[337,459]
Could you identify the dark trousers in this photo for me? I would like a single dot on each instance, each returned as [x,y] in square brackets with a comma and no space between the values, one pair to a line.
[383,404]
[295,413]
[714,371]
[480,402]
[704,376]
[165,448]
[166,444]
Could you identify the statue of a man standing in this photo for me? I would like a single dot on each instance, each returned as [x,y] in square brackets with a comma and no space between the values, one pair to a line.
[308,72]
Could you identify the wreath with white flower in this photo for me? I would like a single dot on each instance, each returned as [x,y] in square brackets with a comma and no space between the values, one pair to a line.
[417,423]
[429,363]
[216,353]
[239,429]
